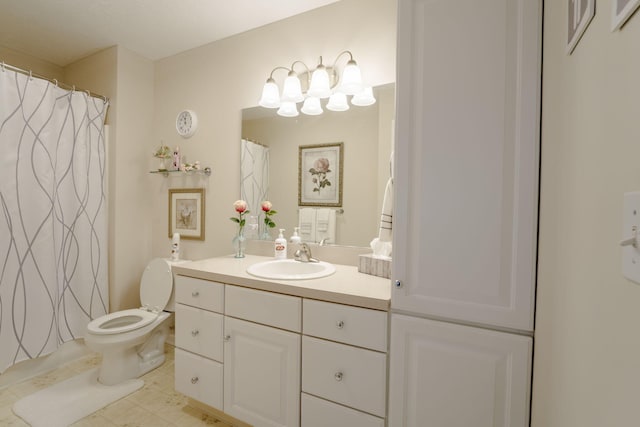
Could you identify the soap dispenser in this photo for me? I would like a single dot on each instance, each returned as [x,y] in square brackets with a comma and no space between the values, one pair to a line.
[281,246]
[295,238]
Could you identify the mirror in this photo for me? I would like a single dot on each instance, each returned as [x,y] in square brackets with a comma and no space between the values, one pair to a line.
[273,155]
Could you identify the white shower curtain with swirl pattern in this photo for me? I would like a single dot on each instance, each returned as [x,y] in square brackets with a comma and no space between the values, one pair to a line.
[53,217]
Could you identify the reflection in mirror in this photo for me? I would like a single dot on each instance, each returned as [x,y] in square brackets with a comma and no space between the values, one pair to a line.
[270,170]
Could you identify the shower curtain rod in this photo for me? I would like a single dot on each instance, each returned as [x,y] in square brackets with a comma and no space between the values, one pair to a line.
[5,66]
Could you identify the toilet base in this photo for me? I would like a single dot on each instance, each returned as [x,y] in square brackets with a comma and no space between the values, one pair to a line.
[122,364]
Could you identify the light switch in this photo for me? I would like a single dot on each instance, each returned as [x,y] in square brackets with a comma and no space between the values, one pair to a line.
[630,236]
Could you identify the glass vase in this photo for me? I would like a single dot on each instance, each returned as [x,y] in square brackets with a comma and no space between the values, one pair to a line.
[239,243]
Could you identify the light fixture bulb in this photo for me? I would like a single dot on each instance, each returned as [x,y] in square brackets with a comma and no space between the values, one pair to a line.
[292,90]
[311,106]
[288,109]
[338,102]
[320,87]
[351,82]
[364,98]
[270,95]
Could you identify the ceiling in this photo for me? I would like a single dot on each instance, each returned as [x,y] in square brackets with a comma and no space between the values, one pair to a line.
[63,31]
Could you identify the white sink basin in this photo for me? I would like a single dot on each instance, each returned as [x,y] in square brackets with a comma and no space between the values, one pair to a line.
[290,269]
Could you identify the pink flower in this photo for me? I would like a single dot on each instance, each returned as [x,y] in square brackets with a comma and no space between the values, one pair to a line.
[240,206]
[321,165]
[266,206]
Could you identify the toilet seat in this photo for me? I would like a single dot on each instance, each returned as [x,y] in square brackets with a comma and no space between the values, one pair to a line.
[156,286]
[121,321]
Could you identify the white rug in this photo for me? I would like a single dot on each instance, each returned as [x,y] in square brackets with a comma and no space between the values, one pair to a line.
[66,402]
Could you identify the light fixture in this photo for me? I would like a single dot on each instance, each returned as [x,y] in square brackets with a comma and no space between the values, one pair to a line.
[364,98]
[312,86]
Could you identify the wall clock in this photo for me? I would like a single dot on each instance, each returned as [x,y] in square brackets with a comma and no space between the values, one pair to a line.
[186,123]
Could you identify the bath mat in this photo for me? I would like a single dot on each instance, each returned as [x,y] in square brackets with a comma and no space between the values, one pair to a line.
[66,402]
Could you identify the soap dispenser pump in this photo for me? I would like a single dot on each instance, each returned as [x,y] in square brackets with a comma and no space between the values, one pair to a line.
[295,238]
[281,246]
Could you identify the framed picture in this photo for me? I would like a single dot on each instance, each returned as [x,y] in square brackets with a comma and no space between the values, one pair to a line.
[622,11]
[580,13]
[320,174]
[186,213]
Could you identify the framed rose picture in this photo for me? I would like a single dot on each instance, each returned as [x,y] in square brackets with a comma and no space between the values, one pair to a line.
[186,213]
[320,170]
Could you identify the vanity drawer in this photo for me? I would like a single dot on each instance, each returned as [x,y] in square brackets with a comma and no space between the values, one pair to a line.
[268,308]
[198,378]
[200,293]
[199,331]
[351,325]
[348,375]
[321,413]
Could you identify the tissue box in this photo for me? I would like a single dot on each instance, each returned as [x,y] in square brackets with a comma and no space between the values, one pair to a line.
[369,264]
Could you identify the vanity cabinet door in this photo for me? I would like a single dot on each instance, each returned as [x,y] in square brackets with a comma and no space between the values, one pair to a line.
[261,374]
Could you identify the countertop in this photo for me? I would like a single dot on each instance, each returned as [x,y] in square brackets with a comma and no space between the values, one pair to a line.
[345,286]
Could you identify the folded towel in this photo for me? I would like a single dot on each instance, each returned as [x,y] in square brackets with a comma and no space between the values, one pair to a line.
[385,233]
[326,225]
[307,224]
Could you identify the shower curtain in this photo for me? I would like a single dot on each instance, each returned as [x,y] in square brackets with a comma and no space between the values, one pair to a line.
[254,171]
[53,218]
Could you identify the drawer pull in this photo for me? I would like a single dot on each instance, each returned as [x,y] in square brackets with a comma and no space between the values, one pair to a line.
[340,324]
[338,376]
[194,380]
[195,333]
[195,294]
[227,337]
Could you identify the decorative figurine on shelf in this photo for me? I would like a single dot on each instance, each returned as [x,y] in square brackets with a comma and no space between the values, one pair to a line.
[176,159]
[163,153]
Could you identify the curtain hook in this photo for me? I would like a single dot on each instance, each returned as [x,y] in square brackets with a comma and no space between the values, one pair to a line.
[3,69]
[30,75]
[55,82]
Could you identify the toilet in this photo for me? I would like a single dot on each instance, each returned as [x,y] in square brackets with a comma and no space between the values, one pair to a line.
[132,341]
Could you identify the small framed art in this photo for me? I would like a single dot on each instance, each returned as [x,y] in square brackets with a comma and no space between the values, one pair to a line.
[186,213]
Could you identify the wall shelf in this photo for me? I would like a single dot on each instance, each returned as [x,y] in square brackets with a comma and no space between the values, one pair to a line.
[206,171]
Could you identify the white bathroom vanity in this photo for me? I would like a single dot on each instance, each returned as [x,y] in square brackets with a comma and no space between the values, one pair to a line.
[304,353]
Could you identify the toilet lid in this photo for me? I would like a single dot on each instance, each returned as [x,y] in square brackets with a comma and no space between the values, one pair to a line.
[156,285]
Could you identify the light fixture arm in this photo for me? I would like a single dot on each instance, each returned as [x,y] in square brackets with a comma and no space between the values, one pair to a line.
[339,55]
[276,69]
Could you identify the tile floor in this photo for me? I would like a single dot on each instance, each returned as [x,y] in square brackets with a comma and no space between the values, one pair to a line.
[156,404]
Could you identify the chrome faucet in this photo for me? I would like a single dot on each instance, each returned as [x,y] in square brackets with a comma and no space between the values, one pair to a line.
[324,241]
[304,254]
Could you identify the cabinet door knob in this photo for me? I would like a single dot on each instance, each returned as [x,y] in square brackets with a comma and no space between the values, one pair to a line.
[338,376]
[227,337]
[195,333]
[195,294]
[398,283]
[194,380]
[340,324]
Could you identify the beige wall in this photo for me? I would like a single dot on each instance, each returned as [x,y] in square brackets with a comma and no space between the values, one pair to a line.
[28,62]
[220,79]
[587,350]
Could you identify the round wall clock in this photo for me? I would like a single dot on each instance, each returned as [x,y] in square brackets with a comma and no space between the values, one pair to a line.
[186,123]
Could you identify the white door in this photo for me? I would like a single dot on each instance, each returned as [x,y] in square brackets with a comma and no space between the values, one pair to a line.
[261,374]
[467,149]
[443,374]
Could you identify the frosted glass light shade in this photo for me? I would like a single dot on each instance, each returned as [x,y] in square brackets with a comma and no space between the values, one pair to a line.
[270,95]
[288,109]
[311,106]
[364,98]
[351,79]
[292,90]
[338,102]
[320,87]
